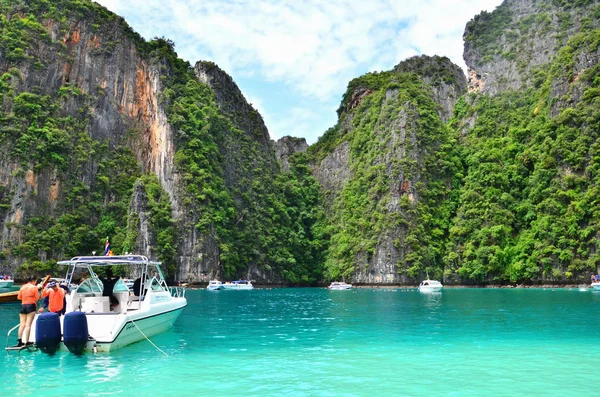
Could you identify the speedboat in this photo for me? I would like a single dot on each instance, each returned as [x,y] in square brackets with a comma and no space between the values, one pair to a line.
[430,286]
[596,285]
[128,282]
[214,285]
[108,326]
[6,282]
[238,285]
[339,285]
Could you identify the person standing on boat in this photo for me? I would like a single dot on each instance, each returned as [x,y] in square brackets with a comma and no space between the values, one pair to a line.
[138,285]
[109,284]
[28,295]
[56,298]
[46,300]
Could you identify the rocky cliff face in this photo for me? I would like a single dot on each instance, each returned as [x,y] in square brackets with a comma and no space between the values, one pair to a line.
[378,170]
[108,85]
[503,48]
[446,79]
[104,134]
[248,156]
[526,133]
[287,147]
[116,92]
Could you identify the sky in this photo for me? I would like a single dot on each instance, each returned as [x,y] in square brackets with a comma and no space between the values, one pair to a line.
[293,59]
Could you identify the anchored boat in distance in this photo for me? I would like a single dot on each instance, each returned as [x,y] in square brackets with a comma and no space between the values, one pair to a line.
[430,286]
[339,285]
[237,285]
[214,285]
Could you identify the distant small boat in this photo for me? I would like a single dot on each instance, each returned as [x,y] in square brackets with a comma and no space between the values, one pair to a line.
[7,297]
[214,285]
[430,286]
[6,282]
[238,285]
[339,285]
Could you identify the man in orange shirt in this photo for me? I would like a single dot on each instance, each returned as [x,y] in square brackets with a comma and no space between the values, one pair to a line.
[55,296]
[28,295]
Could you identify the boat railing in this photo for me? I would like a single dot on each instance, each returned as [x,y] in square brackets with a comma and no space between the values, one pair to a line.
[177,292]
[10,332]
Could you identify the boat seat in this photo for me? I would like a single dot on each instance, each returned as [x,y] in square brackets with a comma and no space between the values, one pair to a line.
[95,304]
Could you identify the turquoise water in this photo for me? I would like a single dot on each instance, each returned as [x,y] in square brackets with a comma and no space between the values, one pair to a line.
[363,342]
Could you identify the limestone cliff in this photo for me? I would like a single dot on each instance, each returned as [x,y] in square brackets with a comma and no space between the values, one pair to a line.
[504,47]
[287,147]
[105,134]
[382,168]
[528,130]
[105,84]
[89,108]
[446,79]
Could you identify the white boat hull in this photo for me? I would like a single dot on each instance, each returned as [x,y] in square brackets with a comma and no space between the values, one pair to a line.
[110,331]
[338,286]
[237,287]
[430,289]
[430,286]
[596,286]
[135,330]
[214,285]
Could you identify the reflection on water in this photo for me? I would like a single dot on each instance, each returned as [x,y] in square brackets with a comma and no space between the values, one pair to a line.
[432,299]
[103,368]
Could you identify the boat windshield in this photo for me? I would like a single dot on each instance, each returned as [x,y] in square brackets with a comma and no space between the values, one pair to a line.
[120,286]
[90,285]
[155,285]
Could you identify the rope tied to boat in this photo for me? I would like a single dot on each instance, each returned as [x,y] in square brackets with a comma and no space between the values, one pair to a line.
[148,339]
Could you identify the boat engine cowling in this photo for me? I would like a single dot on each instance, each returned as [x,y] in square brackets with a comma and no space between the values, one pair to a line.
[47,332]
[75,331]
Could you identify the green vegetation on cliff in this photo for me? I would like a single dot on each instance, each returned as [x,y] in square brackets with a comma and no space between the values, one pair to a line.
[507,191]
[402,161]
[47,142]
[266,219]
[528,208]
[273,225]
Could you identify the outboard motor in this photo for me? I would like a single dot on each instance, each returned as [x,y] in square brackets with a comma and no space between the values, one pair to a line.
[75,329]
[47,332]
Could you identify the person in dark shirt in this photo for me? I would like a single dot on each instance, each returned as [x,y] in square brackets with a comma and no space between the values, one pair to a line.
[137,285]
[109,284]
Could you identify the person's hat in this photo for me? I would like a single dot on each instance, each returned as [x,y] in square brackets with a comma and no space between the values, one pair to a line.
[52,284]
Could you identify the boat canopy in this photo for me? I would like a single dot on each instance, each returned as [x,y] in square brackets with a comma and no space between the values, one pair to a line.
[142,267]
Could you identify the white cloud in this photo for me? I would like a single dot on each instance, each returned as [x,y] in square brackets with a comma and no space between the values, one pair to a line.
[312,47]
